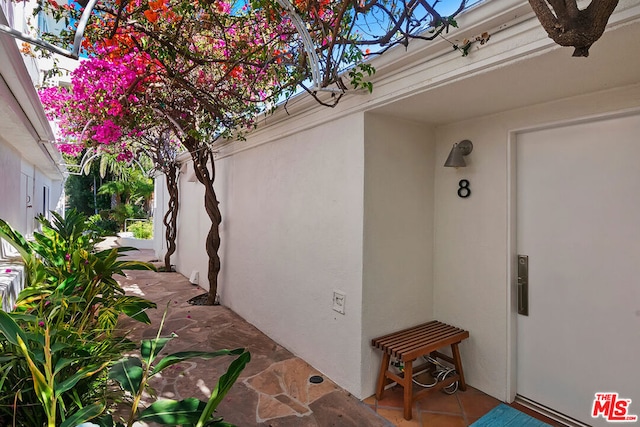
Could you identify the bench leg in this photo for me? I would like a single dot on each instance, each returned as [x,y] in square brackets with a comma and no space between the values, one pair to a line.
[408,389]
[458,364]
[382,375]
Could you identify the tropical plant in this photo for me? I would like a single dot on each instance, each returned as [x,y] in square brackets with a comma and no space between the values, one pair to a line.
[61,374]
[81,187]
[57,345]
[55,365]
[67,313]
[103,225]
[126,211]
[63,266]
[131,187]
[141,229]
[133,374]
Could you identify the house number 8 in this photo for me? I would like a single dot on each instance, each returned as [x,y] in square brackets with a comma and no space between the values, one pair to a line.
[464,191]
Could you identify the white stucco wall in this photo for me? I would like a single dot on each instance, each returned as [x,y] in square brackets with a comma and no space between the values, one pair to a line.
[473,240]
[314,212]
[193,226]
[13,206]
[398,232]
[291,235]
[9,184]
[32,200]
[160,200]
[27,160]
[311,202]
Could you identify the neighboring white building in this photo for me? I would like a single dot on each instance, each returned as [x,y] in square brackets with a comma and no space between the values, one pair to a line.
[355,199]
[31,178]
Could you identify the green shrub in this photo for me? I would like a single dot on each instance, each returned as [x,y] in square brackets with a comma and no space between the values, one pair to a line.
[65,320]
[124,211]
[103,226]
[60,356]
[141,229]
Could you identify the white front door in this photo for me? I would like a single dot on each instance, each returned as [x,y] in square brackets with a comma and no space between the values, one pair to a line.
[578,221]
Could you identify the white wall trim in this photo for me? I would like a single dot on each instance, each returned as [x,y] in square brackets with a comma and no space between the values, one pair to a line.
[512,314]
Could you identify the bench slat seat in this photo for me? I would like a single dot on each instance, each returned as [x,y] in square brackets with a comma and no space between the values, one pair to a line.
[409,344]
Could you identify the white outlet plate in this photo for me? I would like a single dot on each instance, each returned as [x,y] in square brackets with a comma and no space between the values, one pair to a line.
[339,300]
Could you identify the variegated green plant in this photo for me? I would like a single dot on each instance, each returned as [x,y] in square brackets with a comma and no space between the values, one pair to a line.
[55,367]
[69,311]
[133,374]
[68,281]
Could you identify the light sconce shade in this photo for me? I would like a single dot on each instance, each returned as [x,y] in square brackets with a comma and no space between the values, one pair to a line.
[456,156]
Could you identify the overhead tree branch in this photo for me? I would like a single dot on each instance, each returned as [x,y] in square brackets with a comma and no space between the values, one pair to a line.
[569,26]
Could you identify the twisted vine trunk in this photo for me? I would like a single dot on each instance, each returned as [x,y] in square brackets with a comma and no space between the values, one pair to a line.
[201,159]
[170,219]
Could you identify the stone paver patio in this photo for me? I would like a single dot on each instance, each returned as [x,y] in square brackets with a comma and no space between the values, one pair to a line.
[273,390]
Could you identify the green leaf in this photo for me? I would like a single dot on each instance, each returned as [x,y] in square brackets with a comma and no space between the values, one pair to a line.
[84,372]
[105,420]
[174,358]
[16,240]
[30,293]
[134,265]
[135,307]
[149,349]
[7,370]
[223,386]
[10,329]
[59,346]
[106,252]
[219,423]
[41,387]
[128,373]
[85,414]
[172,412]
[61,364]
[23,317]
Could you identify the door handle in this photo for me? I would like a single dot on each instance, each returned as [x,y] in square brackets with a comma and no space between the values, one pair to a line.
[523,285]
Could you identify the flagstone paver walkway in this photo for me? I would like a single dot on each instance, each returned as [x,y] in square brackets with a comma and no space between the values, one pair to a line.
[273,390]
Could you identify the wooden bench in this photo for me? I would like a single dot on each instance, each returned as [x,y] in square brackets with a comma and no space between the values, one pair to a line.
[409,344]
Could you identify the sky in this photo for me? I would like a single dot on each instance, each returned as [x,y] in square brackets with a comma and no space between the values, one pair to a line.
[372,25]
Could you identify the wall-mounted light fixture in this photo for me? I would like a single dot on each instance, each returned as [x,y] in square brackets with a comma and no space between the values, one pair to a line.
[456,156]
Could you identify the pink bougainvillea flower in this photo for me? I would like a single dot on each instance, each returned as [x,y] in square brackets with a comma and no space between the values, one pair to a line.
[124,156]
[70,149]
[107,132]
[223,7]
